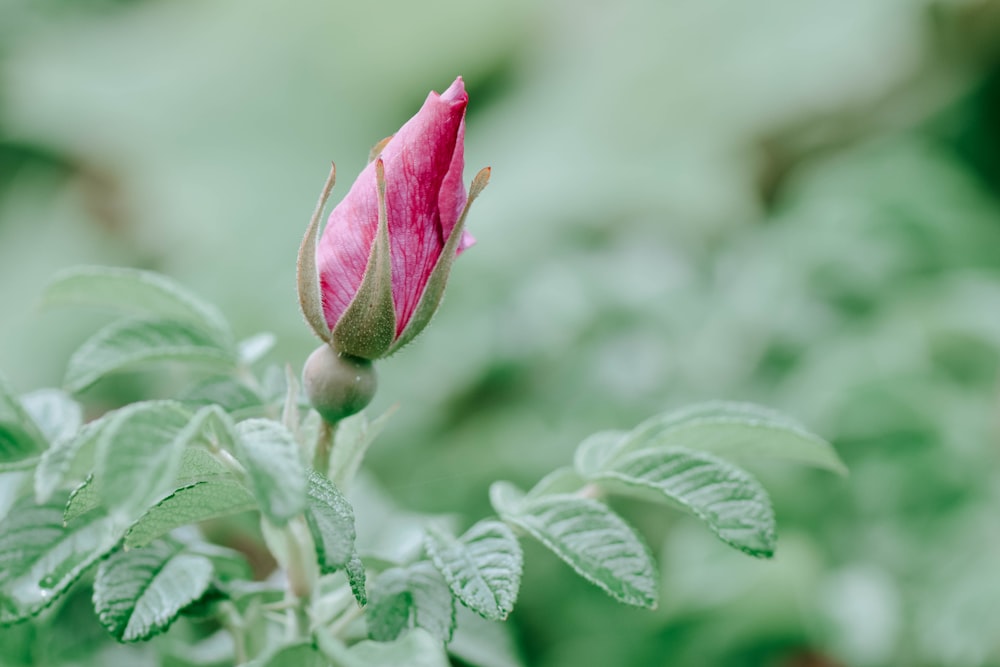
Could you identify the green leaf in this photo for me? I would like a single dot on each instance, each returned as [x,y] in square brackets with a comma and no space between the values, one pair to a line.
[353,437]
[127,344]
[588,536]
[411,596]
[277,476]
[133,292]
[733,504]
[252,349]
[70,459]
[331,522]
[484,643]
[740,431]
[40,557]
[139,593]
[20,437]
[139,452]
[416,648]
[483,567]
[301,654]
[593,453]
[82,499]
[223,390]
[306,274]
[355,571]
[200,501]
[368,326]
[55,412]
[561,480]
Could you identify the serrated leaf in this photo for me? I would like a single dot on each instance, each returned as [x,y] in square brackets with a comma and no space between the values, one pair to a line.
[355,571]
[200,501]
[331,522]
[132,291]
[740,431]
[138,454]
[593,453]
[560,480]
[411,596]
[127,344]
[416,648]
[55,413]
[198,465]
[81,500]
[353,437]
[588,536]
[139,593]
[277,476]
[483,567]
[40,557]
[224,391]
[69,459]
[733,504]
[20,437]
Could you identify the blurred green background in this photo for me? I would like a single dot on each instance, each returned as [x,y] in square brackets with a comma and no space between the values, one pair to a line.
[794,203]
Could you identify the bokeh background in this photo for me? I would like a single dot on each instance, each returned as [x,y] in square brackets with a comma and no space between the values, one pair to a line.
[793,203]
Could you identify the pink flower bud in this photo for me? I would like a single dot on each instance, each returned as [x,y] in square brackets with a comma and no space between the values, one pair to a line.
[424,209]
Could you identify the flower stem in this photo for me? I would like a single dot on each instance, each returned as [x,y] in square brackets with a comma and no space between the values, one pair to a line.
[324,446]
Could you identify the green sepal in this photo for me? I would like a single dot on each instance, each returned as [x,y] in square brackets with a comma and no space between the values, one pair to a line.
[368,326]
[307,275]
[434,289]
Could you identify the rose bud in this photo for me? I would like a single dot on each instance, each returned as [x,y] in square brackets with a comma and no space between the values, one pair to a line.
[384,257]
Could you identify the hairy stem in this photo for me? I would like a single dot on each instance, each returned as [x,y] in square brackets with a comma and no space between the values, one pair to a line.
[324,446]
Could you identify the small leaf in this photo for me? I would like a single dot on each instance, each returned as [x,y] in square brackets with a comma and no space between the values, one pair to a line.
[83,499]
[368,326]
[593,453]
[200,501]
[331,522]
[560,480]
[133,292]
[306,274]
[138,454]
[127,344]
[483,567]
[353,437]
[732,503]
[411,596]
[355,571]
[224,391]
[251,350]
[139,593]
[301,654]
[416,648]
[69,459]
[40,558]
[20,437]
[55,412]
[588,536]
[734,430]
[277,477]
